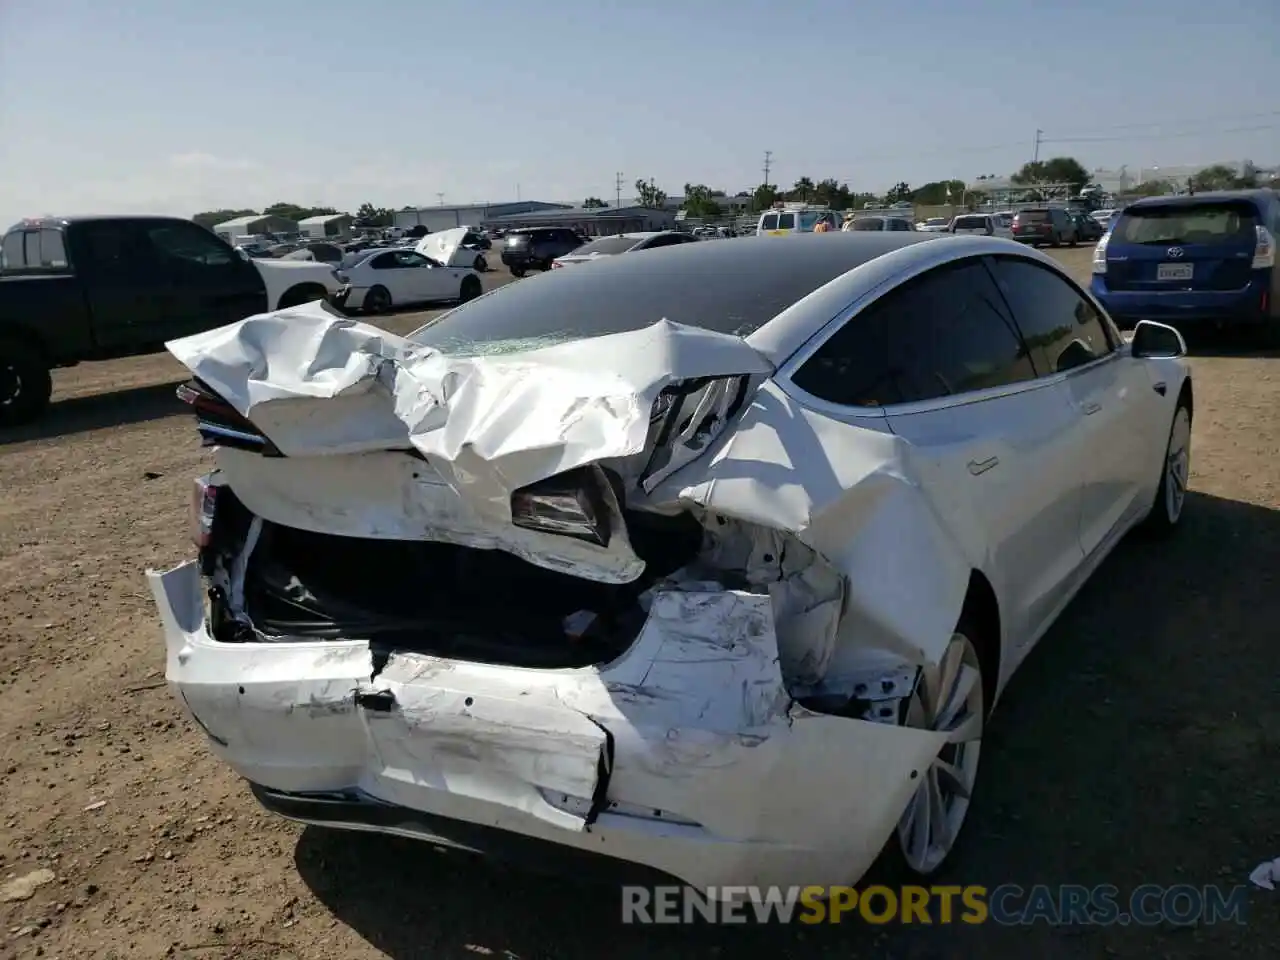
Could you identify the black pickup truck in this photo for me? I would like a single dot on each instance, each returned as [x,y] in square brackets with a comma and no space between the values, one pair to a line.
[98,288]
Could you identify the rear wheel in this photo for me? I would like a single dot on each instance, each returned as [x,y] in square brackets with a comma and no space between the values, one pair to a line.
[377,300]
[470,289]
[306,293]
[517,272]
[25,383]
[951,698]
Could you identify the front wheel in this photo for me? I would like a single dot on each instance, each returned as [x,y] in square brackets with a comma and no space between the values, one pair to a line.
[25,383]
[1175,473]
[470,289]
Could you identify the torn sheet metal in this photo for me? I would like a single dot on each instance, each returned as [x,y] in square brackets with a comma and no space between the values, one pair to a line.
[488,424]
[852,494]
[446,247]
[697,715]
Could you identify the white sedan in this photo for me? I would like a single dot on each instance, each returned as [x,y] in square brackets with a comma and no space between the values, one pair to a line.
[714,560]
[375,281]
[611,246]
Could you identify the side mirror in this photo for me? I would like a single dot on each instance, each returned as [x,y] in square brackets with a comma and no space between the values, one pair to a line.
[1157,340]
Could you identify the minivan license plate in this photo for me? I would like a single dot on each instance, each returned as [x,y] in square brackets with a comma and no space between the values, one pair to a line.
[1173,271]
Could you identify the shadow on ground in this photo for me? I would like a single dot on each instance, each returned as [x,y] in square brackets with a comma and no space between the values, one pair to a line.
[1137,745]
[96,412]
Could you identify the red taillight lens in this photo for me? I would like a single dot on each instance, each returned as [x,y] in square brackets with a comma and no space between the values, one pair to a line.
[556,264]
[204,505]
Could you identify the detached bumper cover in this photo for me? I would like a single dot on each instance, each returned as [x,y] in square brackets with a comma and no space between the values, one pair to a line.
[685,755]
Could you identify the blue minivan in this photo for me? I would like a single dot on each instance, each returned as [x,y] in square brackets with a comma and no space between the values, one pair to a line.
[1205,258]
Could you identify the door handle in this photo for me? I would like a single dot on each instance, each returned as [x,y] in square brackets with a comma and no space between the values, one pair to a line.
[1091,408]
[979,467]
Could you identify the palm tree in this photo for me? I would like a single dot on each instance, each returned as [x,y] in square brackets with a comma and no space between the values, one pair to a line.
[804,187]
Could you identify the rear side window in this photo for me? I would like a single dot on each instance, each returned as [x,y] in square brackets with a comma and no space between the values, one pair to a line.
[944,333]
[608,245]
[34,249]
[786,221]
[1061,328]
[871,223]
[770,222]
[971,223]
[1209,223]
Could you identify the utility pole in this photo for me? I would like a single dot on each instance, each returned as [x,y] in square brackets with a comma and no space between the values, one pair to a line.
[617,189]
[768,162]
[1035,153]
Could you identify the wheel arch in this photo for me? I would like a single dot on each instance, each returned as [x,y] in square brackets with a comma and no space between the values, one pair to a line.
[1188,395]
[301,293]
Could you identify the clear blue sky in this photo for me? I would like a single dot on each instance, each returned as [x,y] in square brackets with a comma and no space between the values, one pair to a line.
[183,105]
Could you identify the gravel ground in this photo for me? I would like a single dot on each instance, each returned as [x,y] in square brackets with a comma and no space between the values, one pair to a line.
[1138,744]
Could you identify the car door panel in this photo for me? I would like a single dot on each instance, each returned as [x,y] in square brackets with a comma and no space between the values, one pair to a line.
[1071,343]
[941,356]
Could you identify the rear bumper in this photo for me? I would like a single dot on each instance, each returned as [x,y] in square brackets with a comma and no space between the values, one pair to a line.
[685,755]
[1250,306]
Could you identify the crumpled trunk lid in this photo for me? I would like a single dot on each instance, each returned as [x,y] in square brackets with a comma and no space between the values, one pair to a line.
[379,436]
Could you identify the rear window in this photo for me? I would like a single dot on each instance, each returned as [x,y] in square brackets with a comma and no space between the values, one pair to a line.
[34,249]
[1032,216]
[1185,223]
[708,285]
[608,246]
[770,222]
[517,239]
[971,223]
[869,223]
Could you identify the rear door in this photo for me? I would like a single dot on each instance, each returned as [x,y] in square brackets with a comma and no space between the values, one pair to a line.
[203,279]
[1183,246]
[1115,446]
[129,305]
[941,356]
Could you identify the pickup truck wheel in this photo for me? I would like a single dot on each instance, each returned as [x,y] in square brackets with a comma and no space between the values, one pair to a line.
[517,272]
[304,293]
[25,383]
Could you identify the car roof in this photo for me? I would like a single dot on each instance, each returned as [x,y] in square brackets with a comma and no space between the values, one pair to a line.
[761,277]
[51,222]
[1259,197]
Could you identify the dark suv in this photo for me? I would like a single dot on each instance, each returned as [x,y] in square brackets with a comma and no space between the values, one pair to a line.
[1051,225]
[536,247]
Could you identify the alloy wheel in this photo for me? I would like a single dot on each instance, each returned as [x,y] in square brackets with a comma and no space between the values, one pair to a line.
[1177,465]
[949,698]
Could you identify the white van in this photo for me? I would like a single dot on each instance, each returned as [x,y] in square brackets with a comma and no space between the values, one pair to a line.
[794,218]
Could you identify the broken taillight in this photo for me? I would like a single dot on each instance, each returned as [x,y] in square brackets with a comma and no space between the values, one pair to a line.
[570,504]
[204,505]
[220,424]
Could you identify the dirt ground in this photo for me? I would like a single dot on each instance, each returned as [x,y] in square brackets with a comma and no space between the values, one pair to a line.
[1139,744]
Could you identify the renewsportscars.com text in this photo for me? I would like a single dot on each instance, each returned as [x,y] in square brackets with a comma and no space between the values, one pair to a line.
[1005,905]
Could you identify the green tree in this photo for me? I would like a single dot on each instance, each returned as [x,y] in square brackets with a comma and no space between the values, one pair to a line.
[1056,170]
[593,203]
[370,216]
[935,193]
[211,218]
[293,211]
[1221,177]
[1151,188]
[650,196]
[899,191]
[833,193]
[802,190]
[699,201]
[764,196]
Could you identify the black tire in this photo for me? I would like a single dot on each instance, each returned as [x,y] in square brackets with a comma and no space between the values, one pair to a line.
[517,272]
[303,293]
[893,866]
[1164,516]
[481,264]
[377,300]
[470,289]
[25,383]
[1056,241]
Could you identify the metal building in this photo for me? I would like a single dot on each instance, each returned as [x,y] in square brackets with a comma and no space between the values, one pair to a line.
[440,218]
[258,223]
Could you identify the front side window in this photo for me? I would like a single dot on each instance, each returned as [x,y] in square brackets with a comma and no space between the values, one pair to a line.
[769,222]
[410,259]
[187,246]
[1061,328]
[868,223]
[786,221]
[943,333]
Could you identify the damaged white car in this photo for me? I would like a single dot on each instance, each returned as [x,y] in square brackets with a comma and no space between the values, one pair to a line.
[713,560]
